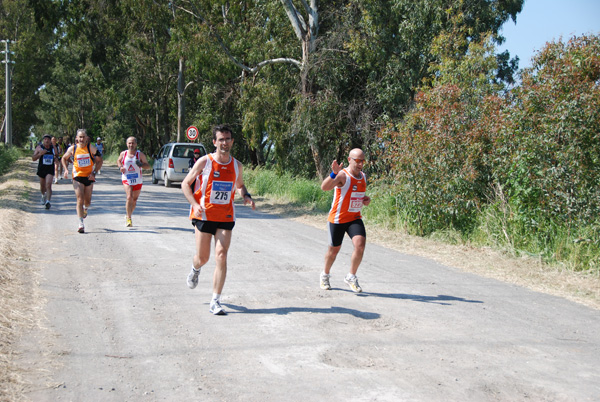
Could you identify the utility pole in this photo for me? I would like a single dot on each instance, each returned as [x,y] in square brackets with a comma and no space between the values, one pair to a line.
[8,119]
[180,101]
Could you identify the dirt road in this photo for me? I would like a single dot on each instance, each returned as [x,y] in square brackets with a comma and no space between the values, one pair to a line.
[121,324]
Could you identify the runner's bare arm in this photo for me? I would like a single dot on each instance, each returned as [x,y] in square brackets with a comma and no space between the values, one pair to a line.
[367,199]
[144,160]
[96,158]
[340,177]
[242,187]
[65,161]
[39,151]
[120,161]
[189,179]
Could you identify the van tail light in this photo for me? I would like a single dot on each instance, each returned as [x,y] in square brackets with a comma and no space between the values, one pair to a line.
[171,165]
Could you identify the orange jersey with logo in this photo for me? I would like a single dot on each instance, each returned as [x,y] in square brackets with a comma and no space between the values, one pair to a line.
[215,188]
[348,199]
[83,162]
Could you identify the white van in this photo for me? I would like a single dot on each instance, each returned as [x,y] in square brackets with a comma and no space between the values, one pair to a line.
[172,162]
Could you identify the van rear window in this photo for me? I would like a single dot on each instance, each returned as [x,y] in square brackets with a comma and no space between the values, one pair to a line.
[186,151]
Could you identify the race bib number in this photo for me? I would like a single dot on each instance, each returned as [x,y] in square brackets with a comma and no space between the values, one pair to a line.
[47,159]
[221,192]
[83,160]
[356,201]
[132,178]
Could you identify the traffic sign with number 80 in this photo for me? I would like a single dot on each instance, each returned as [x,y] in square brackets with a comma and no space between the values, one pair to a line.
[191,133]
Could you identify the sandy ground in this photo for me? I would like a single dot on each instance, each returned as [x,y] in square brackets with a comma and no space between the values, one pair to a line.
[111,318]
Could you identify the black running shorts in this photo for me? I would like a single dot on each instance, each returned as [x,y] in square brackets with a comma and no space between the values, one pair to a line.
[211,226]
[83,180]
[337,231]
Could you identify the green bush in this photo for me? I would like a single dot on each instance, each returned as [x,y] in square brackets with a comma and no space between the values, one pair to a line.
[518,169]
[8,156]
[439,155]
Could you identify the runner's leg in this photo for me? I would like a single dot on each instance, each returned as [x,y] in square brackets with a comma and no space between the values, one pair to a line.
[202,248]
[222,242]
[42,186]
[359,243]
[136,195]
[330,257]
[49,179]
[79,193]
[129,200]
[88,195]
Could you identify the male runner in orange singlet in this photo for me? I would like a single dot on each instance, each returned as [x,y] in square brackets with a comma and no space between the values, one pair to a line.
[216,177]
[349,187]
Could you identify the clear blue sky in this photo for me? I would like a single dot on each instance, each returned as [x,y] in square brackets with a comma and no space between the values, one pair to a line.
[543,21]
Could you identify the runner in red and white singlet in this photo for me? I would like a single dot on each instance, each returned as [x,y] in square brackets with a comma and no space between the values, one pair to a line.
[130,163]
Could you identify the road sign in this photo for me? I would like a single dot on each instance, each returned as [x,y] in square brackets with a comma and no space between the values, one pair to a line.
[191,133]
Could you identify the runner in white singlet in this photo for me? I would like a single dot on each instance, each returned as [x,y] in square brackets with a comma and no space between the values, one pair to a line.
[130,163]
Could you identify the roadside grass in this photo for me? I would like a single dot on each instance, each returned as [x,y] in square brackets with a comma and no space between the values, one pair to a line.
[8,156]
[298,192]
[576,248]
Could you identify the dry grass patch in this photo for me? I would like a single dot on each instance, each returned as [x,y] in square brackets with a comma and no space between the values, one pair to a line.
[17,287]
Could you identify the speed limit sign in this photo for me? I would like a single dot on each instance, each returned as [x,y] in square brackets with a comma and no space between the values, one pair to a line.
[191,133]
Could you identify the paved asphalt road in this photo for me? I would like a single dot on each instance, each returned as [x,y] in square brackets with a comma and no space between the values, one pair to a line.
[121,325]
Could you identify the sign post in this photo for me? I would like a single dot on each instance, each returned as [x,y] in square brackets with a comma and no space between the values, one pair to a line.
[191,133]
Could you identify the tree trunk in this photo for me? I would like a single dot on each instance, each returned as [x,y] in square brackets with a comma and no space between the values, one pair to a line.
[180,102]
[317,157]
[309,96]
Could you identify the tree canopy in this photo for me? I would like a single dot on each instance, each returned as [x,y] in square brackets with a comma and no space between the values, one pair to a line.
[300,81]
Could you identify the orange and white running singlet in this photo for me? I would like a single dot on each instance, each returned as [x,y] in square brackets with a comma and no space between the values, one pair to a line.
[133,173]
[348,199]
[83,165]
[215,188]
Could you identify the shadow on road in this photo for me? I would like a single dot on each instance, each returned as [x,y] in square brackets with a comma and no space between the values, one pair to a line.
[439,299]
[288,310]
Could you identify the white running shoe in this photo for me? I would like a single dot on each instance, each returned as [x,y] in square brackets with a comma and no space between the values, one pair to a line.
[352,281]
[325,281]
[216,309]
[43,199]
[192,279]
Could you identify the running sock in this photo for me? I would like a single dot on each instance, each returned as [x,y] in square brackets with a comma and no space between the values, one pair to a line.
[216,296]
[81,221]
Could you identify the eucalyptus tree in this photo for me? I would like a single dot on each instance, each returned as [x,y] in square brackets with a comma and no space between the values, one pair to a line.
[356,63]
[31,29]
